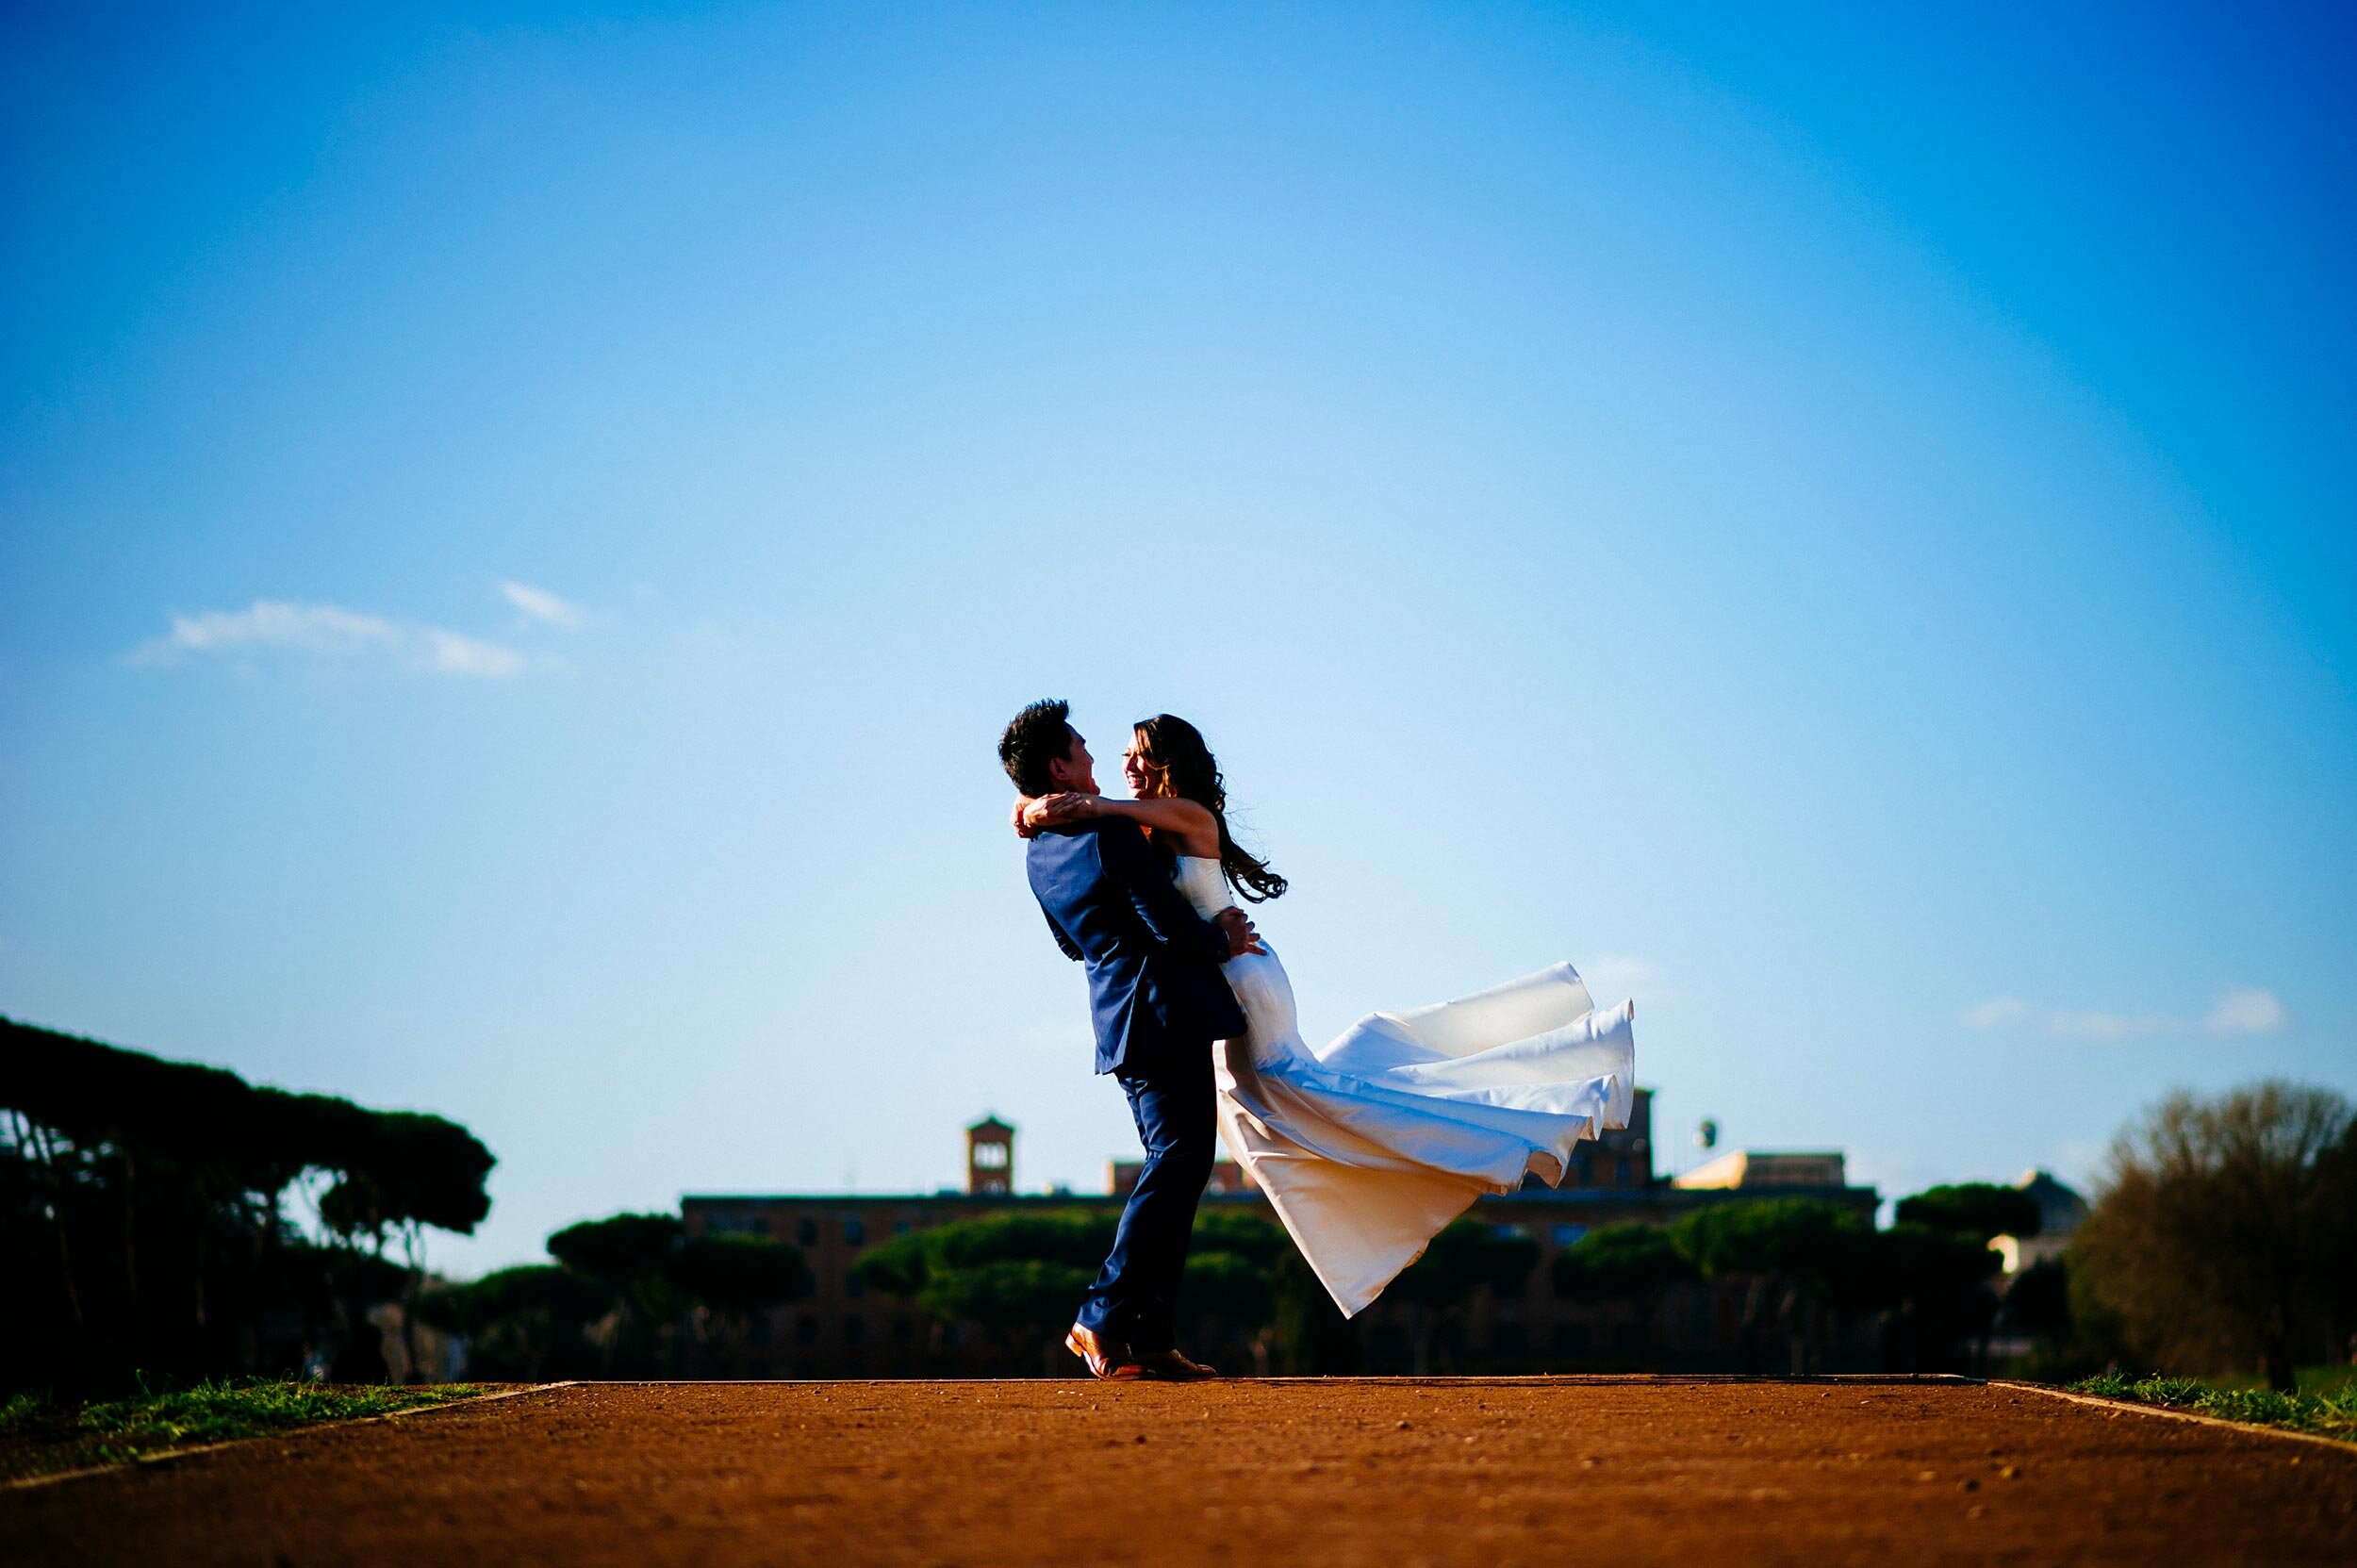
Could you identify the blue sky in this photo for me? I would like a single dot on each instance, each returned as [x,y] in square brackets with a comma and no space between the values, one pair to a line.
[519,527]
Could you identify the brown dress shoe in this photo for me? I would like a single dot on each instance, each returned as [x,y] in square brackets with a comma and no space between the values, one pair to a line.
[1172,1366]
[1108,1359]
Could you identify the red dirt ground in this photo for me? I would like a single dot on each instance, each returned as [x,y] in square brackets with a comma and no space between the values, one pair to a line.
[1562,1471]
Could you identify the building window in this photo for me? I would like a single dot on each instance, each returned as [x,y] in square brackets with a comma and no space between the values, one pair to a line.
[854,1330]
[758,1225]
[1619,1173]
[1511,1231]
[853,1286]
[807,1233]
[854,1233]
[1586,1166]
[1565,1236]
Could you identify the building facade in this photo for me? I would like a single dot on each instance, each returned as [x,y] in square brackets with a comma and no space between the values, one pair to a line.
[2060,1211]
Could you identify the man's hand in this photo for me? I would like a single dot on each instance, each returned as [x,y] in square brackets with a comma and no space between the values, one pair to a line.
[1237,926]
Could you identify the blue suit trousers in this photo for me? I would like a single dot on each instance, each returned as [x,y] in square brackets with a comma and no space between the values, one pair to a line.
[1134,1293]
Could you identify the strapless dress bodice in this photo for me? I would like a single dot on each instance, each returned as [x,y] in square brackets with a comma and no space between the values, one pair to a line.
[1200,880]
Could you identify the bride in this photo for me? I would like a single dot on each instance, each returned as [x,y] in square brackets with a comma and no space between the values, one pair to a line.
[1368,1145]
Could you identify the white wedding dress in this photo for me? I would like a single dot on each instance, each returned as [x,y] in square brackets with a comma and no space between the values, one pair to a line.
[1368,1145]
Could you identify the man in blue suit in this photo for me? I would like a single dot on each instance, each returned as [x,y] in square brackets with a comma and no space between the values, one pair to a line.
[1158,1002]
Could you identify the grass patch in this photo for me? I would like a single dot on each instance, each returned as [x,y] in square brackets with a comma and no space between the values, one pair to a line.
[2329,1411]
[38,1437]
[2327,1379]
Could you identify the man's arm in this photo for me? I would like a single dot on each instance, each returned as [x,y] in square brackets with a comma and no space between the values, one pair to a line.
[1168,917]
[1071,948]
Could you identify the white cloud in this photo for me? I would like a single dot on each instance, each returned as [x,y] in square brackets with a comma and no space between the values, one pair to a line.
[543,606]
[2248,1010]
[1995,1012]
[325,629]
[2242,1010]
[457,654]
[329,631]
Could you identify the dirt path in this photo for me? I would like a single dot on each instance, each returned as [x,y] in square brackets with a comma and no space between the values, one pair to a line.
[1567,1471]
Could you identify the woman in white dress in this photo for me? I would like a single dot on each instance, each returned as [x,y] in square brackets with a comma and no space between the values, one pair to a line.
[1367,1146]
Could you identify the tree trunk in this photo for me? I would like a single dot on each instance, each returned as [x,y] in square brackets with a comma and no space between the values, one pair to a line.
[2275,1339]
[609,1336]
[261,1263]
[2282,1375]
[131,1244]
[43,1145]
[203,1234]
[414,1246]
[1747,1328]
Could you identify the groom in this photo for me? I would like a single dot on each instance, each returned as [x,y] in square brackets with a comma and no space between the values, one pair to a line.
[1158,1002]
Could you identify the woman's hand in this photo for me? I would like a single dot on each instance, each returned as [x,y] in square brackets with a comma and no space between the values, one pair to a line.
[1035,812]
[1054,811]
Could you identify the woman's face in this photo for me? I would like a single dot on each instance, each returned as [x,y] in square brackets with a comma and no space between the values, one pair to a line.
[1143,777]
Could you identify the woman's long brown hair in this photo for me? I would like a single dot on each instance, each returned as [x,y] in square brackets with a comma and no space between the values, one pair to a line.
[1184,768]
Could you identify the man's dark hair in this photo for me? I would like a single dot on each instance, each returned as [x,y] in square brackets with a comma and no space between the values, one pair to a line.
[1040,734]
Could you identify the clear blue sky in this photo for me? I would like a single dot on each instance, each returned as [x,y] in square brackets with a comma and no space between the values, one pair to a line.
[519,527]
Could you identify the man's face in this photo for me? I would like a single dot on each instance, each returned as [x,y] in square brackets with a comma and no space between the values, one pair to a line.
[1076,769]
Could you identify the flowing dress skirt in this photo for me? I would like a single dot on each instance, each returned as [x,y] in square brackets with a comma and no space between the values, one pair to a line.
[1367,1146]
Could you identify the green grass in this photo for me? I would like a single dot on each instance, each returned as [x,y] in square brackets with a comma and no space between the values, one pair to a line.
[2327,1379]
[2327,1409]
[36,1436]
[22,1411]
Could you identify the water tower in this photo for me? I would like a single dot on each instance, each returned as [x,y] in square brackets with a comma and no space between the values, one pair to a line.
[990,1157]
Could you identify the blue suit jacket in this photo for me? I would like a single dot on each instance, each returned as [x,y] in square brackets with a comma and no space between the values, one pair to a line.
[1155,988]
